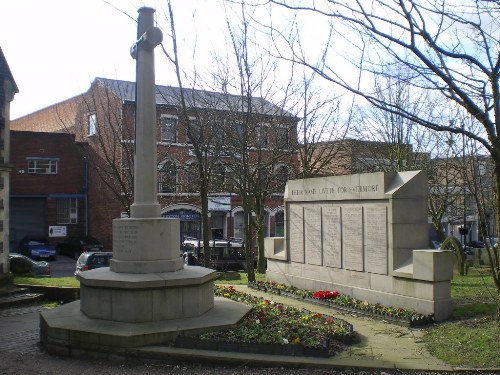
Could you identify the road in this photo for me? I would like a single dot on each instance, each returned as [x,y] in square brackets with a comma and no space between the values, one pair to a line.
[62,267]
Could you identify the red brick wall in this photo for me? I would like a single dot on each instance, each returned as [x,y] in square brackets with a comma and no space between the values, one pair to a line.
[69,178]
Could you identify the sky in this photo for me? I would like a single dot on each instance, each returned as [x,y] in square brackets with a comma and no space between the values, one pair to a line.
[55,48]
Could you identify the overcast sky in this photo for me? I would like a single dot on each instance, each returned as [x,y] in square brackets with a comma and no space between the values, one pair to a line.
[55,48]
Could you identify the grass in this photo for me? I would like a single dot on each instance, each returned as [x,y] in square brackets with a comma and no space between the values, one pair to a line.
[471,338]
[233,278]
[466,343]
[71,282]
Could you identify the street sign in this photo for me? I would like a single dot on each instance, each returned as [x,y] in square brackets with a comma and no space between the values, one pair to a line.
[58,231]
[219,203]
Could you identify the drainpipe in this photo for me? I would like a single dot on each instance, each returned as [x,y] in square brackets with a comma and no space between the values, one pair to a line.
[86,184]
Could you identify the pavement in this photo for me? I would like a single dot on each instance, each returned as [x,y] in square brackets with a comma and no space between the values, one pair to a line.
[382,345]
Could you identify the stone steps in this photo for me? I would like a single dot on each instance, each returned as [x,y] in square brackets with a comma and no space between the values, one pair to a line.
[11,295]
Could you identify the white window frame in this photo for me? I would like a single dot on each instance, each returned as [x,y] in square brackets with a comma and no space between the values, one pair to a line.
[169,173]
[166,128]
[92,124]
[67,211]
[43,165]
[282,137]
[262,135]
[192,121]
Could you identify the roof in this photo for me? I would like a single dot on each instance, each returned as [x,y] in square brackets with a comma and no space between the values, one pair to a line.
[5,70]
[202,99]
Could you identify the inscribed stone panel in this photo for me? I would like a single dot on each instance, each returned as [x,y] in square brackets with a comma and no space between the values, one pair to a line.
[296,230]
[312,226]
[332,239]
[375,242]
[352,237]
[125,234]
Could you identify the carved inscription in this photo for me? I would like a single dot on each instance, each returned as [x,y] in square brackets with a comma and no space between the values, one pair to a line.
[332,236]
[124,238]
[312,225]
[352,236]
[296,227]
[376,239]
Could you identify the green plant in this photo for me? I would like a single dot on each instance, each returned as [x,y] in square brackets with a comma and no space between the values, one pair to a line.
[335,299]
[274,323]
[237,278]
[471,343]
[71,282]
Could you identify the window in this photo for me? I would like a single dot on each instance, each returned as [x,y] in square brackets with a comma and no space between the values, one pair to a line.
[279,222]
[192,180]
[92,124]
[167,177]
[67,211]
[261,136]
[168,129]
[239,225]
[282,174]
[194,131]
[42,165]
[218,177]
[282,140]
[218,134]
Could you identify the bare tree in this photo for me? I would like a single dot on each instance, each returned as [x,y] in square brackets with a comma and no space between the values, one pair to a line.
[451,49]
[261,135]
[319,127]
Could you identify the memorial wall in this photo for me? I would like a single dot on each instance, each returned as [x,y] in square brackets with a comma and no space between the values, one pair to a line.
[365,235]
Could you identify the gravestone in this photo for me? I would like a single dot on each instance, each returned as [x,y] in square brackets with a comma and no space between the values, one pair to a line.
[365,235]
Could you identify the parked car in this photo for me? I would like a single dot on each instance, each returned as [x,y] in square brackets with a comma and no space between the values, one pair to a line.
[37,247]
[92,260]
[492,242]
[436,245]
[20,264]
[75,246]
[476,244]
[227,254]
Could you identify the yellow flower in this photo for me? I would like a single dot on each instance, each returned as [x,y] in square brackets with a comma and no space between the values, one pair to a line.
[296,340]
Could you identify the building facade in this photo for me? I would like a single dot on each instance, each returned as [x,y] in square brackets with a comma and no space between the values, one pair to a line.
[8,89]
[48,194]
[225,132]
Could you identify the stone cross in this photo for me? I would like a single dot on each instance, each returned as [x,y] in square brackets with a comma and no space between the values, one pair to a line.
[145,163]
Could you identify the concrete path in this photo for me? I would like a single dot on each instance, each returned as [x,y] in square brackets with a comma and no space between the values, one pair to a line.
[382,344]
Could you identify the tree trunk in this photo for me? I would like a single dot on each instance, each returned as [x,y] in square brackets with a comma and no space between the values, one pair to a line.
[207,256]
[249,257]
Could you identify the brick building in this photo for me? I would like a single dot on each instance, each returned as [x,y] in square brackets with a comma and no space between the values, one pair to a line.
[104,117]
[48,195]
[8,89]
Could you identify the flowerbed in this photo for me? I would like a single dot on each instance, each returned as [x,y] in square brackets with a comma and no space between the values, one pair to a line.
[274,328]
[336,300]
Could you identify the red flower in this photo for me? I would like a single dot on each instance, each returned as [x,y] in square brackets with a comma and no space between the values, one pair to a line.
[325,294]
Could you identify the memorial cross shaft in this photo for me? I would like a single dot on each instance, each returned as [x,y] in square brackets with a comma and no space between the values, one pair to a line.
[145,164]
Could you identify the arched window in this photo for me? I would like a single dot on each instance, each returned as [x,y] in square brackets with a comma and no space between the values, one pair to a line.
[167,177]
[239,225]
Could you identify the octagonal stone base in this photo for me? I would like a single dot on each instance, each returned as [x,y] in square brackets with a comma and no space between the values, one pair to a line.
[67,331]
[137,298]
